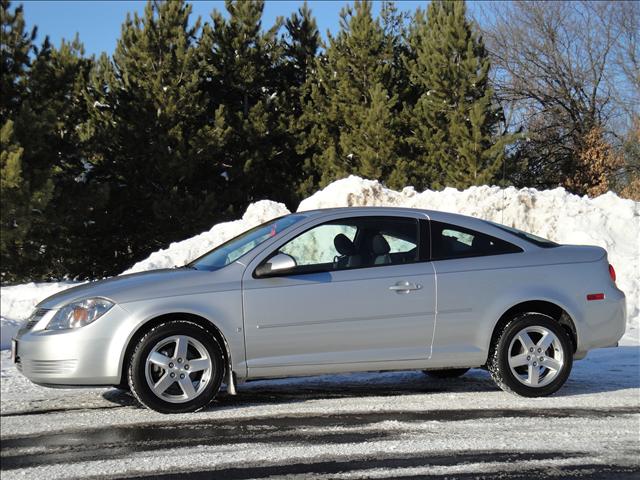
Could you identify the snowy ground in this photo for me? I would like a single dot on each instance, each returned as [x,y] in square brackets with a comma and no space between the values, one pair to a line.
[375,425]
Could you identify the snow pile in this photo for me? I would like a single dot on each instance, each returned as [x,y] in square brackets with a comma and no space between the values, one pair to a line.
[607,221]
[181,253]
[17,303]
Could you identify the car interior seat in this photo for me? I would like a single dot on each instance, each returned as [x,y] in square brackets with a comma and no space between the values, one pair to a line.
[349,256]
[380,249]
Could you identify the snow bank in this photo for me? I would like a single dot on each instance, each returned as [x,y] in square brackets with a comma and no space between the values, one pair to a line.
[17,302]
[607,221]
[181,253]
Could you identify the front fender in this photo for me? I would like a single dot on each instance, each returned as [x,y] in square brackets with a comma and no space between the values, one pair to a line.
[222,309]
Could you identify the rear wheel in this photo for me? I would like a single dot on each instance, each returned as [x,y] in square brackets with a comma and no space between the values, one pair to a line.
[176,367]
[449,373]
[532,356]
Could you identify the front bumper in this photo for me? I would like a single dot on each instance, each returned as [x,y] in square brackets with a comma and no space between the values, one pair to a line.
[77,357]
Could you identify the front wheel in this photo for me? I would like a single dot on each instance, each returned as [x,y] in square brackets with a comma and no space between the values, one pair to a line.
[532,356]
[176,367]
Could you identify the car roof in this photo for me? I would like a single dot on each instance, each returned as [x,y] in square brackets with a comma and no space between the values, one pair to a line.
[433,214]
[359,209]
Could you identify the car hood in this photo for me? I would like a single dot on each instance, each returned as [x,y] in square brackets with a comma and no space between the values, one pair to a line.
[149,285]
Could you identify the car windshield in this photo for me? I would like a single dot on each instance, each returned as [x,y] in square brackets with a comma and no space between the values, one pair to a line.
[529,237]
[233,249]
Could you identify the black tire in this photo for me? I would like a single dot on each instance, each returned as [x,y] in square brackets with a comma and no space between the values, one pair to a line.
[137,367]
[448,373]
[498,362]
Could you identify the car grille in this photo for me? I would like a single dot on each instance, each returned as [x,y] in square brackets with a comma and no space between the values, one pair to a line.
[32,320]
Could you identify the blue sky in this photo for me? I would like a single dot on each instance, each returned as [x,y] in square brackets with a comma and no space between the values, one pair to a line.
[98,21]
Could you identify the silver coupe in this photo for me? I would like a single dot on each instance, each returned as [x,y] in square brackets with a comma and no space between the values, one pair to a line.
[327,291]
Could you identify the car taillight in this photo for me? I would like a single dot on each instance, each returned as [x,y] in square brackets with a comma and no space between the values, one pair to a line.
[612,273]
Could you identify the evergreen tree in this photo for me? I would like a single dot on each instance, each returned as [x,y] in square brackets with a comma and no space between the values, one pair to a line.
[155,148]
[14,63]
[242,86]
[25,184]
[353,104]
[454,121]
[301,45]
[395,25]
[45,208]
[50,120]
[17,45]
[19,202]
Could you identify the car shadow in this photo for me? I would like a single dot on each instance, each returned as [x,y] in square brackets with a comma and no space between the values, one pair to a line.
[603,371]
[326,387]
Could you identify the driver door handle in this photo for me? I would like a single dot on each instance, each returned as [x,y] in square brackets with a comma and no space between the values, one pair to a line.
[405,287]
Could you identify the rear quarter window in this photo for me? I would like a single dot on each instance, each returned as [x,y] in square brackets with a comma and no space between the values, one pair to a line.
[451,241]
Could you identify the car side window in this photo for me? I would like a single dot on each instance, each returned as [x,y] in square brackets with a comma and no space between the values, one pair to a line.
[358,242]
[451,241]
[398,245]
[316,246]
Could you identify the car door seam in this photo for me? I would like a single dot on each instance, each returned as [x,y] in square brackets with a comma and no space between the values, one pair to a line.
[435,309]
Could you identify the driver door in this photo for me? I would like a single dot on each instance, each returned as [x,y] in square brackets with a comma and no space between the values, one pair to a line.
[363,313]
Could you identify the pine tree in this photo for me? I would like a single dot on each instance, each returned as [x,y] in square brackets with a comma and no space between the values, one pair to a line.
[14,63]
[45,127]
[17,45]
[25,183]
[454,121]
[52,114]
[395,25]
[353,103]
[155,148]
[242,86]
[19,202]
[301,45]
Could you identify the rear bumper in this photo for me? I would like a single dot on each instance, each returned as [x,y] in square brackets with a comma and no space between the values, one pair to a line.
[604,324]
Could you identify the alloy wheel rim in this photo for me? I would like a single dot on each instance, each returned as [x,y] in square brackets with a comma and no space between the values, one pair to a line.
[535,356]
[178,369]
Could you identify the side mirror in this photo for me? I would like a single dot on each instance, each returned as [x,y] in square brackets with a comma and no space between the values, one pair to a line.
[278,263]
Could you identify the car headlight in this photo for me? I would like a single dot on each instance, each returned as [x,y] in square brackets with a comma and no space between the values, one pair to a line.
[78,314]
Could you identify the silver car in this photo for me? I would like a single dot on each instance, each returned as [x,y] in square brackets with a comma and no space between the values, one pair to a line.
[327,291]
